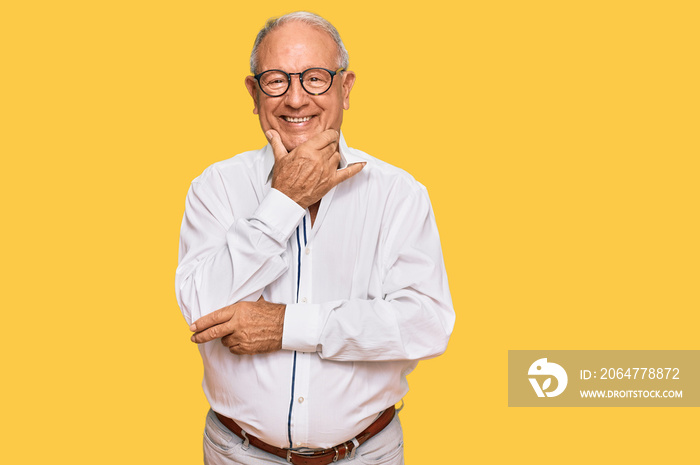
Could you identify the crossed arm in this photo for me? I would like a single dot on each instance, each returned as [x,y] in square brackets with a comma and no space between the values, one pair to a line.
[412,320]
[305,175]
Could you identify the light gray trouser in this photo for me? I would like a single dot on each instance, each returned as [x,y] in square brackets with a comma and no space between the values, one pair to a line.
[222,447]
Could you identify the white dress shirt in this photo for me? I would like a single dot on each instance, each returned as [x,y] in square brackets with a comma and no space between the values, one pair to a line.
[365,289]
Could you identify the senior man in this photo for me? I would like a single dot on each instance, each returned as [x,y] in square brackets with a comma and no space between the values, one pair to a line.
[311,273]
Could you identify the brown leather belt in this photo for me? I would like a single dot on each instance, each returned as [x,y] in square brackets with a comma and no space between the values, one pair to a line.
[318,457]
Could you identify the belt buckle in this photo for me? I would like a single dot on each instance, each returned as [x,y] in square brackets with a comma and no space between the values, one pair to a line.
[335,458]
[291,453]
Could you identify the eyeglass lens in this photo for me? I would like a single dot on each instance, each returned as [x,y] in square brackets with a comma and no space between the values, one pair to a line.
[314,81]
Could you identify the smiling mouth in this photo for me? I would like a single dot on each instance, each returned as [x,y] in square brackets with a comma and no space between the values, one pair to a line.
[290,119]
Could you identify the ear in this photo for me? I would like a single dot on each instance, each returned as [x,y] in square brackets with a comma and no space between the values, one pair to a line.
[252,86]
[348,82]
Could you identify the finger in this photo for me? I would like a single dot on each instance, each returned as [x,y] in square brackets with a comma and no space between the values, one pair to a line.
[334,162]
[212,333]
[229,340]
[348,172]
[278,148]
[330,151]
[214,318]
[324,139]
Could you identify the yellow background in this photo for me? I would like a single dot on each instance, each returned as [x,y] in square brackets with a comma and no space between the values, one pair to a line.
[558,141]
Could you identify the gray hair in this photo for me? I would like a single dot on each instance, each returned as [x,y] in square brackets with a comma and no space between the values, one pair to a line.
[306,18]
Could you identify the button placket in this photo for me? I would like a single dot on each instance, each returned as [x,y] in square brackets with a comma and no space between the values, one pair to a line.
[303,379]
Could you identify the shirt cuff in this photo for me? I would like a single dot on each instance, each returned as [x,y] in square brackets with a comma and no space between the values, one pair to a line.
[280,214]
[301,327]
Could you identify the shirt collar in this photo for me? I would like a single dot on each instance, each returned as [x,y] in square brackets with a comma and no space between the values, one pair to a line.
[347,157]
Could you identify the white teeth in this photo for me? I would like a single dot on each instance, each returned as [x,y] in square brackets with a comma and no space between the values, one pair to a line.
[297,120]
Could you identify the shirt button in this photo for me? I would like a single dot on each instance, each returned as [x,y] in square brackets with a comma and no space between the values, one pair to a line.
[308,251]
[301,399]
[303,299]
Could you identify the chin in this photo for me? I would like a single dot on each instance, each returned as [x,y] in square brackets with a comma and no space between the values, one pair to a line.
[292,142]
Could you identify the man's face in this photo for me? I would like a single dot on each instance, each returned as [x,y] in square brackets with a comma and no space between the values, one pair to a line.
[295,47]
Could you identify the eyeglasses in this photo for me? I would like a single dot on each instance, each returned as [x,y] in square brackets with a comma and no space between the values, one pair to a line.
[315,81]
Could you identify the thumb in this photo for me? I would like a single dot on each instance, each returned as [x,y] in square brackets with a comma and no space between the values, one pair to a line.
[349,171]
[275,141]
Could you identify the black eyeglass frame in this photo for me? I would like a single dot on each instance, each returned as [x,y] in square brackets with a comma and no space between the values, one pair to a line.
[301,80]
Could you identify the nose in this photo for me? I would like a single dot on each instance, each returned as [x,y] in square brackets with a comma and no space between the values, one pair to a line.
[296,96]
